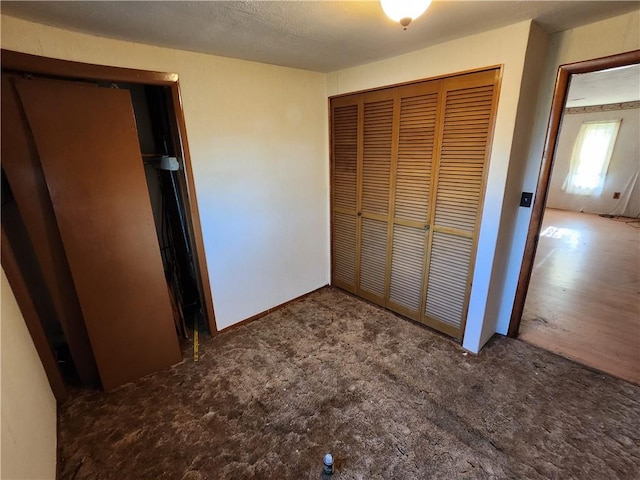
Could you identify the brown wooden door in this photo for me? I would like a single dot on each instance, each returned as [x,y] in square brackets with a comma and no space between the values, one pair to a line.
[468,110]
[22,167]
[417,145]
[344,136]
[87,143]
[377,146]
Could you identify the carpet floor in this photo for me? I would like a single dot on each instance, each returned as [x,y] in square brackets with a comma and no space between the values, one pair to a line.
[388,398]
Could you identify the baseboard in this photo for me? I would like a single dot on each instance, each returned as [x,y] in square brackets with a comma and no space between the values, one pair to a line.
[246,321]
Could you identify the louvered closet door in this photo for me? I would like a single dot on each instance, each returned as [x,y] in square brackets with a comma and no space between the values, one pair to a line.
[409,165]
[344,171]
[377,134]
[459,187]
[416,136]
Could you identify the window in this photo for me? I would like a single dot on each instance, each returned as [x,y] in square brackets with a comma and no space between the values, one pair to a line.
[590,157]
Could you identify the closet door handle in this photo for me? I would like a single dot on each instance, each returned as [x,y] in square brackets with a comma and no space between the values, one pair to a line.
[427,227]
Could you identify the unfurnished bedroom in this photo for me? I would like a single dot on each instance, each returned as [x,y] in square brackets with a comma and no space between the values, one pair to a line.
[320,239]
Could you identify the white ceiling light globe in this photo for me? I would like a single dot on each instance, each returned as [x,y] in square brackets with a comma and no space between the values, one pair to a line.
[404,11]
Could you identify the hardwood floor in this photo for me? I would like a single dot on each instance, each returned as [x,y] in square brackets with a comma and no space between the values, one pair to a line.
[584,297]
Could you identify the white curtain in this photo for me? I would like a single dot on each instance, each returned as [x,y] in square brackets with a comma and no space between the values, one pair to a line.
[590,158]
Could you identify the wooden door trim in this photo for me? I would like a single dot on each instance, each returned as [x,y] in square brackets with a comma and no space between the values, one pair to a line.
[410,83]
[23,62]
[546,167]
[330,117]
[359,176]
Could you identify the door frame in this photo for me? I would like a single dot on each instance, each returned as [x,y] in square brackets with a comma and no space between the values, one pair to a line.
[548,159]
[27,63]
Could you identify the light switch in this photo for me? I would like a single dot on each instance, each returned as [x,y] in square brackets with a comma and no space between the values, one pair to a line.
[525,199]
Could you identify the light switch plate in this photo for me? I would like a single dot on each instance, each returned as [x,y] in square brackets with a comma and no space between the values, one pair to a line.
[525,199]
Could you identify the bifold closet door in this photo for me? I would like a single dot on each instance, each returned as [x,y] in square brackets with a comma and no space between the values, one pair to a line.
[87,143]
[468,109]
[417,132]
[377,151]
[409,165]
[344,134]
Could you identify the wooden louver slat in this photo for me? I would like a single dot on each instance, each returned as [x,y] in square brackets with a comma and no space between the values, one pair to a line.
[415,150]
[406,268]
[345,151]
[376,167]
[373,256]
[462,158]
[344,248]
[447,283]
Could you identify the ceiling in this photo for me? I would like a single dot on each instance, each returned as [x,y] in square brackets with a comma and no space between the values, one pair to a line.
[616,85]
[322,36]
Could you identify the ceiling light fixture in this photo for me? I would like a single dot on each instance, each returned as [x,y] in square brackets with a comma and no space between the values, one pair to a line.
[404,11]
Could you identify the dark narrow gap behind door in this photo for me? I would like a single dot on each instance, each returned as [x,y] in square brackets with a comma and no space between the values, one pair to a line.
[167,191]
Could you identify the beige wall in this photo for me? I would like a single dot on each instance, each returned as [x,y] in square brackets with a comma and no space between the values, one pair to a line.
[258,140]
[28,405]
[607,37]
[537,49]
[505,46]
[622,175]
[258,136]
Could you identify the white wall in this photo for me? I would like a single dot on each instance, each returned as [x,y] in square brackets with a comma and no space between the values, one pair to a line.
[607,37]
[622,175]
[258,138]
[536,55]
[28,404]
[506,46]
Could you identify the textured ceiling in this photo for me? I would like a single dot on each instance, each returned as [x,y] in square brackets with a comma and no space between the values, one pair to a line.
[315,35]
[615,85]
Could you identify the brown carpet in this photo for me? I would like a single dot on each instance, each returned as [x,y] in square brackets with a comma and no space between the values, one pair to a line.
[390,400]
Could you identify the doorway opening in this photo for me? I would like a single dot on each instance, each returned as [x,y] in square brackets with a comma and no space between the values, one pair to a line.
[69,354]
[577,293]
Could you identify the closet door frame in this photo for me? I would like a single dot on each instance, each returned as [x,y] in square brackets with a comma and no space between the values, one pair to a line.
[32,64]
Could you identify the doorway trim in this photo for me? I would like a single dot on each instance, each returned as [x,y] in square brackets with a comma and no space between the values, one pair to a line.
[23,62]
[548,158]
